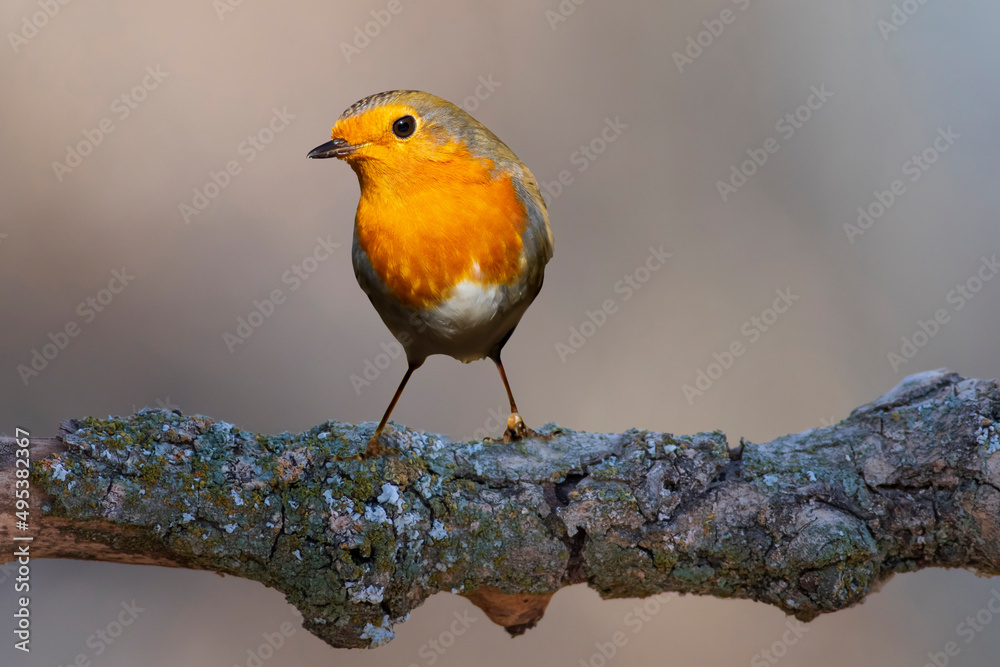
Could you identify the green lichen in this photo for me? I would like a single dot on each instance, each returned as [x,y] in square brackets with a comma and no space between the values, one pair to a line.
[355,545]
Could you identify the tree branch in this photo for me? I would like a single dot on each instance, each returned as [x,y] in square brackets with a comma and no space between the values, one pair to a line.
[810,522]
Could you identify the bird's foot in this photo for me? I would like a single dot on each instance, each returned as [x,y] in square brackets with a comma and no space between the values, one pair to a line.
[374,448]
[517,429]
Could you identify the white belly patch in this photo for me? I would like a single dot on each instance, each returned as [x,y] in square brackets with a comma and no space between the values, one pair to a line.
[471,306]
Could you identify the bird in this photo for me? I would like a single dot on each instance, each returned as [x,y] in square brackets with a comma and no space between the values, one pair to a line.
[451,234]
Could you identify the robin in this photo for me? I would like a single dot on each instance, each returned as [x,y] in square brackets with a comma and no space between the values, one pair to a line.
[451,236]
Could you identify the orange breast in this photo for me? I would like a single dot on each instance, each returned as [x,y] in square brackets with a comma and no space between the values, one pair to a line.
[440,224]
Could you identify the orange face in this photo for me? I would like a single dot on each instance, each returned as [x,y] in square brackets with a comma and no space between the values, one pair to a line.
[431,214]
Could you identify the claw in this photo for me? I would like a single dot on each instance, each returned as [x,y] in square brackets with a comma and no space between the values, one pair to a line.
[517,429]
[374,448]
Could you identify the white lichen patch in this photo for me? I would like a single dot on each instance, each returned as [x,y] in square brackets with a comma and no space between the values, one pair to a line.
[379,635]
[437,444]
[59,471]
[224,429]
[361,593]
[418,442]
[989,437]
[404,522]
[376,514]
[650,445]
[390,494]
[438,531]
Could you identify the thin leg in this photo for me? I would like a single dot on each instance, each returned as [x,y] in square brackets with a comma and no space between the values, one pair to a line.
[374,448]
[506,384]
[516,428]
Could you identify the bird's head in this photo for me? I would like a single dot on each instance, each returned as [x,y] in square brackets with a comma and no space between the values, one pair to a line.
[405,134]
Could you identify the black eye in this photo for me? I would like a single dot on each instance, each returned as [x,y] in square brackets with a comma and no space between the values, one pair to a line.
[404,127]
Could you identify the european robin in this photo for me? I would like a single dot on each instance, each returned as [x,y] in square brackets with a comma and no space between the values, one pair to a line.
[451,235]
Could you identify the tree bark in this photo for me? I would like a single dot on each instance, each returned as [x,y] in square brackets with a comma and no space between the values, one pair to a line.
[810,522]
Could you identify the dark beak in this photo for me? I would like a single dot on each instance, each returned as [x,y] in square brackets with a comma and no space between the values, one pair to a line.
[335,148]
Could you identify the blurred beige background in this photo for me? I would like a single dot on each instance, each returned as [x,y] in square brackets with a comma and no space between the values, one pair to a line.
[224,68]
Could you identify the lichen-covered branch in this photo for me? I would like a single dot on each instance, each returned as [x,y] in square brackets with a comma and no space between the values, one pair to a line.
[810,522]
